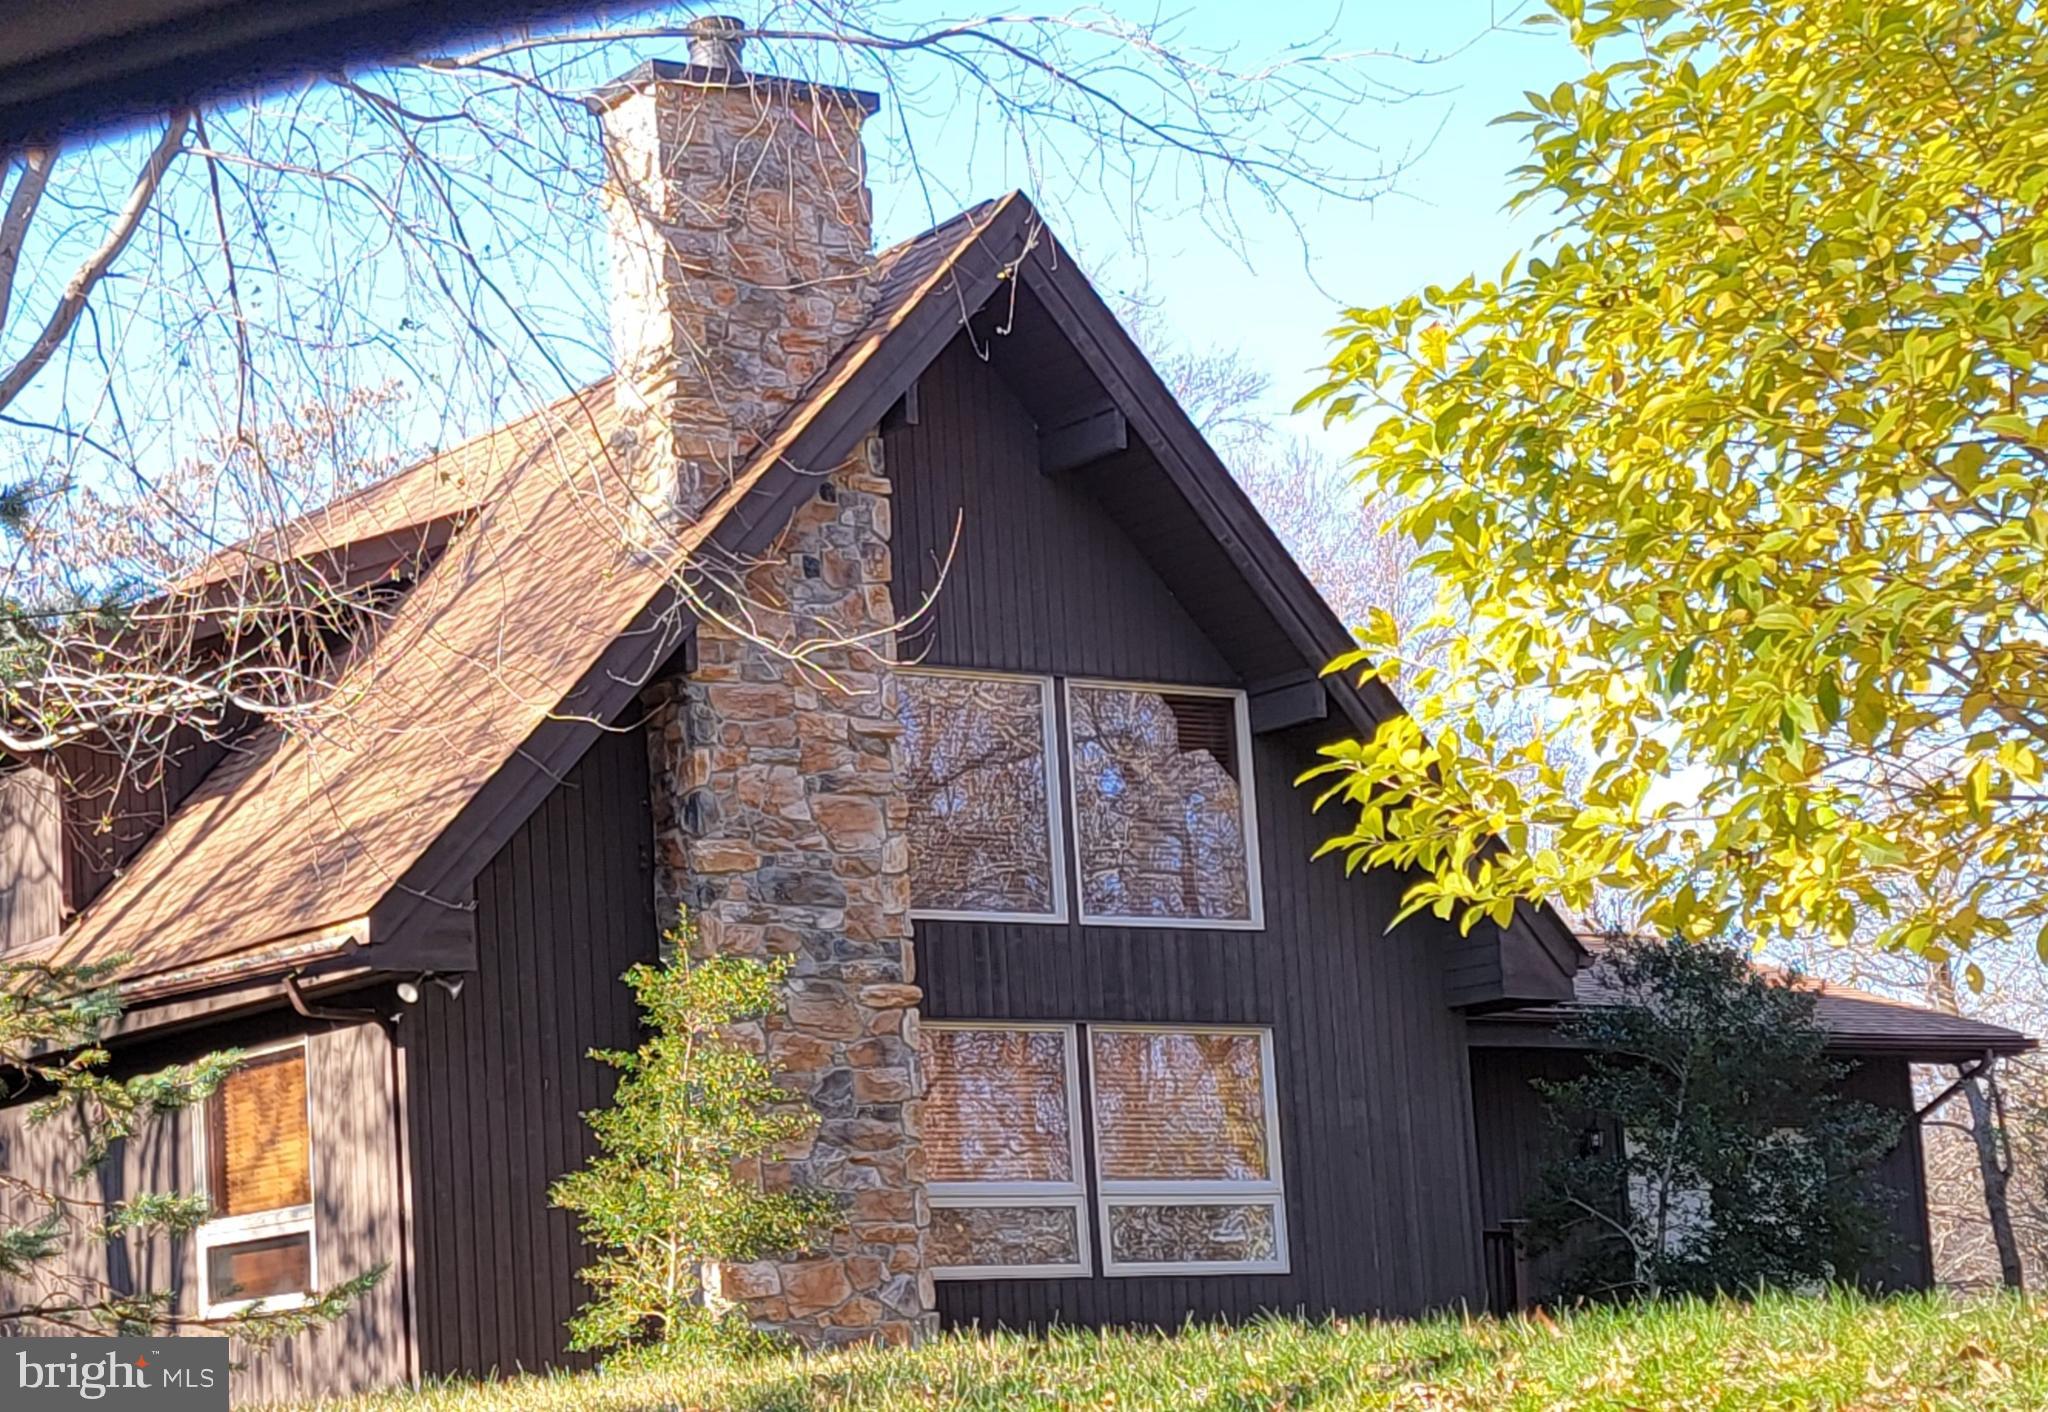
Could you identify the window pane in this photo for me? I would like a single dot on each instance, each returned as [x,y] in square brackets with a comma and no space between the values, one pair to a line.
[260,1269]
[257,1136]
[1159,805]
[1145,1235]
[973,756]
[1179,1106]
[996,1106]
[963,1236]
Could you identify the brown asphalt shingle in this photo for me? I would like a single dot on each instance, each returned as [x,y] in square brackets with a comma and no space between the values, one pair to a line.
[286,847]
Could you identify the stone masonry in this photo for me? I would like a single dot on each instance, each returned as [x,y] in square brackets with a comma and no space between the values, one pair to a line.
[741,262]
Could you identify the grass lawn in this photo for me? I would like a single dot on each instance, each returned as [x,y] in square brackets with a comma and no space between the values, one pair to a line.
[1784,1352]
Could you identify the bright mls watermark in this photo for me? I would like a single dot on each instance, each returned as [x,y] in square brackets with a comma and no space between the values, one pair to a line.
[161,1374]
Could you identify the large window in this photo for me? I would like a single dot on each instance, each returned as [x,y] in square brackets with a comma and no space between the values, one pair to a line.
[978,768]
[1186,1150]
[1002,1133]
[256,1149]
[1163,828]
[1187,1155]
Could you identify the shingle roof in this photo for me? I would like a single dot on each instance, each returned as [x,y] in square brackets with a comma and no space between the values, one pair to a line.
[283,851]
[1857,1021]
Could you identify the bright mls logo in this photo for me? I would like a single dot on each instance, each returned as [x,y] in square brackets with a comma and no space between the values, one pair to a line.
[161,1374]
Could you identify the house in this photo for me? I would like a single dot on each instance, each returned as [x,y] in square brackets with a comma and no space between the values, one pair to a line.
[888,613]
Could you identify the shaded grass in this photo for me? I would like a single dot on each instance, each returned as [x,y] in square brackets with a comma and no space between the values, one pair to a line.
[1785,1352]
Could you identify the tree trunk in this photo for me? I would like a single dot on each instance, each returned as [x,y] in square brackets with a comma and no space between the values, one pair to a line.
[1989,1135]
[1986,1132]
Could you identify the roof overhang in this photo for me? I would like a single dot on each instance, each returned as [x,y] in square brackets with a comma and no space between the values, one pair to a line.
[1519,1031]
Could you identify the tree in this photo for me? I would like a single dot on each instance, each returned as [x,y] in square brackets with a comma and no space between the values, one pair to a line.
[676,1187]
[1725,1162]
[1744,474]
[51,1020]
[176,298]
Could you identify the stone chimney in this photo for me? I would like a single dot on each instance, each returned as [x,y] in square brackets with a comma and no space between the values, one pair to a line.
[741,246]
[741,264]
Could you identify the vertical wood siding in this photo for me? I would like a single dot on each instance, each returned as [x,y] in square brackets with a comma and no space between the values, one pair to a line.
[1515,1141]
[31,856]
[358,1209]
[1371,1071]
[112,808]
[1910,1265]
[498,1078]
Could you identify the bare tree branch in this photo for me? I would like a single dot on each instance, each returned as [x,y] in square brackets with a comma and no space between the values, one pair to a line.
[21,210]
[72,303]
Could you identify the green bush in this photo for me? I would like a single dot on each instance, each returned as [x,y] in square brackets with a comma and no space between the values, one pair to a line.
[1705,1148]
[675,1187]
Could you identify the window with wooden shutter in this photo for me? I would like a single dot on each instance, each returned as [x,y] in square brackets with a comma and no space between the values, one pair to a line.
[976,762]
[1002,1151]
[1164,832]
[258,1247]
[1187,1156]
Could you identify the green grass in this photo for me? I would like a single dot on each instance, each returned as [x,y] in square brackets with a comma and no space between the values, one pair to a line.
[1785,1352]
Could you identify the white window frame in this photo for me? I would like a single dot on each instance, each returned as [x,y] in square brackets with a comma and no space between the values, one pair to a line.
[1248,814]
[1070,1195]
[1054,805]
[1196,1193]
[258,1225]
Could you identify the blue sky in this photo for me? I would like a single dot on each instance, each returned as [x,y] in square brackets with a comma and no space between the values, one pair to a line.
[155,343]
[1443,218]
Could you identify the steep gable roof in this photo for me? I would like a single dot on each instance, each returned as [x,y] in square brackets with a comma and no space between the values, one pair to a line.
[283,854]
[352,839]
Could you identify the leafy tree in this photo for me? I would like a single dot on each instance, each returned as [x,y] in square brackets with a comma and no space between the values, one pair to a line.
[1725,1160]
[1744,478]
[51,1019]
[676,1187]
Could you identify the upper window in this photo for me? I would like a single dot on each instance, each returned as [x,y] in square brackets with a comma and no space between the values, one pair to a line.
[1187,1153]
[1163,829]
[258,1246]
[977,766]
[1002,1138]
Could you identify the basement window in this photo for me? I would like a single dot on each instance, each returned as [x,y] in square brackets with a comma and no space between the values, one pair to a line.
[1002,1140]
[1187,1152]
[977,764]
[256,1151]
[1164,833]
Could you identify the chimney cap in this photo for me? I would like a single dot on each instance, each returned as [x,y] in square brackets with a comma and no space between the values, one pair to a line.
[654,72]
[716,42]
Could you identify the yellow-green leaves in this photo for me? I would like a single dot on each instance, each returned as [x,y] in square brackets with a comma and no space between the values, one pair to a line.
[1745,471]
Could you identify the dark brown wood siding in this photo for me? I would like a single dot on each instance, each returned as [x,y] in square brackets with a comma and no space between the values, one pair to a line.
[1374,1097]
[113,806]
[498,1077]
[357,1203]
[31,856]
[1515,1140]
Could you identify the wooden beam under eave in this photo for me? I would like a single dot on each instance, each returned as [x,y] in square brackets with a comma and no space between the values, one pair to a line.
[1295,704]
[1083,443]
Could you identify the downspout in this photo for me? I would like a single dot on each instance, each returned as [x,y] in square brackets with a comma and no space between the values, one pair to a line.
[311,1011]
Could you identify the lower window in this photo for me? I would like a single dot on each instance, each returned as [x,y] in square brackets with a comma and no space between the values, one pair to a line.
[256,1150]
[1002,1135]
[1186,1153]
